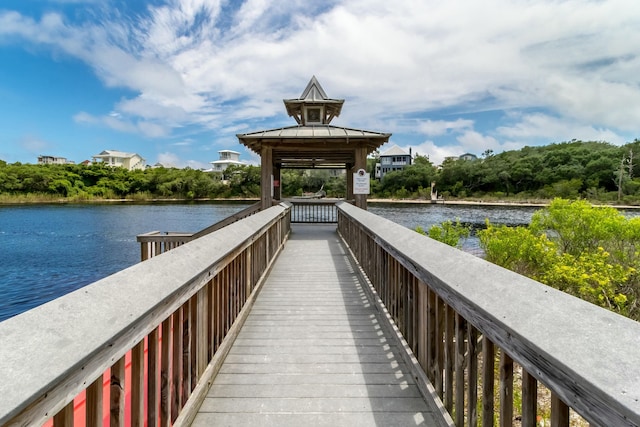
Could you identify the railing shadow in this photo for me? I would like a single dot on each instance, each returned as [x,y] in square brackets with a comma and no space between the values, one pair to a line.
[377,372]
[456,311]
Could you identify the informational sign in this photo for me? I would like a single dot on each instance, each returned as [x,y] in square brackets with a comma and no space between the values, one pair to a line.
[361,182]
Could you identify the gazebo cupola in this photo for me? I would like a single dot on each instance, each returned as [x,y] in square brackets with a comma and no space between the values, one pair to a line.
[312,143]
[314,106]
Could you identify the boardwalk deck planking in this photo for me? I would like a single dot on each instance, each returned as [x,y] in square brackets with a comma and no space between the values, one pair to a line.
[313,350]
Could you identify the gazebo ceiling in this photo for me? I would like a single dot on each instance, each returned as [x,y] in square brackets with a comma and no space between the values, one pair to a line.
[313,143]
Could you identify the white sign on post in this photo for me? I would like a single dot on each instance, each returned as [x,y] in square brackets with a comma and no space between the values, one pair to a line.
[361,182]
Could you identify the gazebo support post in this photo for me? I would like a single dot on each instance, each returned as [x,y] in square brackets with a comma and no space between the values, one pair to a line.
[349,169]
[277,183]
[361,163]
[266,165]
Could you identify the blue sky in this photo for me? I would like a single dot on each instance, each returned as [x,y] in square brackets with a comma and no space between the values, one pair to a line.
[176,80]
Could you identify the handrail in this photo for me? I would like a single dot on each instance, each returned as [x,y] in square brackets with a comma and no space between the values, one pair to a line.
[167,321]
[314,211]
[156,242]
[229,220]
[456,311]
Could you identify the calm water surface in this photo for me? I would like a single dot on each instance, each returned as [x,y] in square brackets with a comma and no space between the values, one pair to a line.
[49,250]
[412,215]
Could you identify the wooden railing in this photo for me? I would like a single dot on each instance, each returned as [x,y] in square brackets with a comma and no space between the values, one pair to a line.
[461,316]
[138,347]
[313,211]
[156,242]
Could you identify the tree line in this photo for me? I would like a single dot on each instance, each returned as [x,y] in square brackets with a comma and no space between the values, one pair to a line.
[591,170]
[99,181]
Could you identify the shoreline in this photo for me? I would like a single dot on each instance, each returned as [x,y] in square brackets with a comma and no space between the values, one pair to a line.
[453,202]
[463,202]
[537,204]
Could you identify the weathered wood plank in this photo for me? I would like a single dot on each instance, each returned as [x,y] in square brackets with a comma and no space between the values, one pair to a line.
[315,346]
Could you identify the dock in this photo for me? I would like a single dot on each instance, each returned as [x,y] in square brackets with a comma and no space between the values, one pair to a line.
[314,349]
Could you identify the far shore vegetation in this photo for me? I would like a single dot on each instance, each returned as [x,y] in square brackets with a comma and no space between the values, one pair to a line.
[599,172]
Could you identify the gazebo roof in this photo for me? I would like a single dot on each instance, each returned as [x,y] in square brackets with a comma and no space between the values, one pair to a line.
[311,132]
[317,144]
[307,147]
[313,95]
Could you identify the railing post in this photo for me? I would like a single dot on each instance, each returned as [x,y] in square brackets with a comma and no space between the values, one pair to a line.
[559,412]
[165,374]
[460,329]
[529,399]
[506,390]
[488,377]
[93,414]
[137,384]
[117,393]
[64,418]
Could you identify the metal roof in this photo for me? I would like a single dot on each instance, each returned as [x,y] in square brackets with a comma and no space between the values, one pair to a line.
[321,146]
[317,131]
[394,151]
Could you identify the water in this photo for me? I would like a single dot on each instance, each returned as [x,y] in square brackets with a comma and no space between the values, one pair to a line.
[412,215]
[49,250]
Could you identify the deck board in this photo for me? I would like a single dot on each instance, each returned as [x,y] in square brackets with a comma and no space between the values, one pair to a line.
[313,351]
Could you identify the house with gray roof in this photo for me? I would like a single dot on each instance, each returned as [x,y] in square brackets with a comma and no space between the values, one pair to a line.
[393,159]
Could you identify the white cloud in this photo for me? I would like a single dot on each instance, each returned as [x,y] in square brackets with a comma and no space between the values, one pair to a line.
[441,127]
[475,142]
[539,126]
[116,122]
[34,145]
[169,160]
[224,66]
[172,160]
[436,153]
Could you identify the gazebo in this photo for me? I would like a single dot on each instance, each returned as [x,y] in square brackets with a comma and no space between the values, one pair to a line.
[312,143]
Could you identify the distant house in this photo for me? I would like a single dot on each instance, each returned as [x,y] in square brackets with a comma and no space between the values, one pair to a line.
[53,160]
[394,159]
[227,158]
[468,156]
[130,161]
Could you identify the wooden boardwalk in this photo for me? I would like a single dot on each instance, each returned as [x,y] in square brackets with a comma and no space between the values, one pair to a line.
[313,351]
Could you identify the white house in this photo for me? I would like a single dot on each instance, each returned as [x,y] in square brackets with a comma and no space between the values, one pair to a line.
[53,160]
[227,158]
[130,161]
[395,158]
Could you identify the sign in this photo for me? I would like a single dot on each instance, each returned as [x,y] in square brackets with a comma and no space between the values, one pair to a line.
[361,182]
